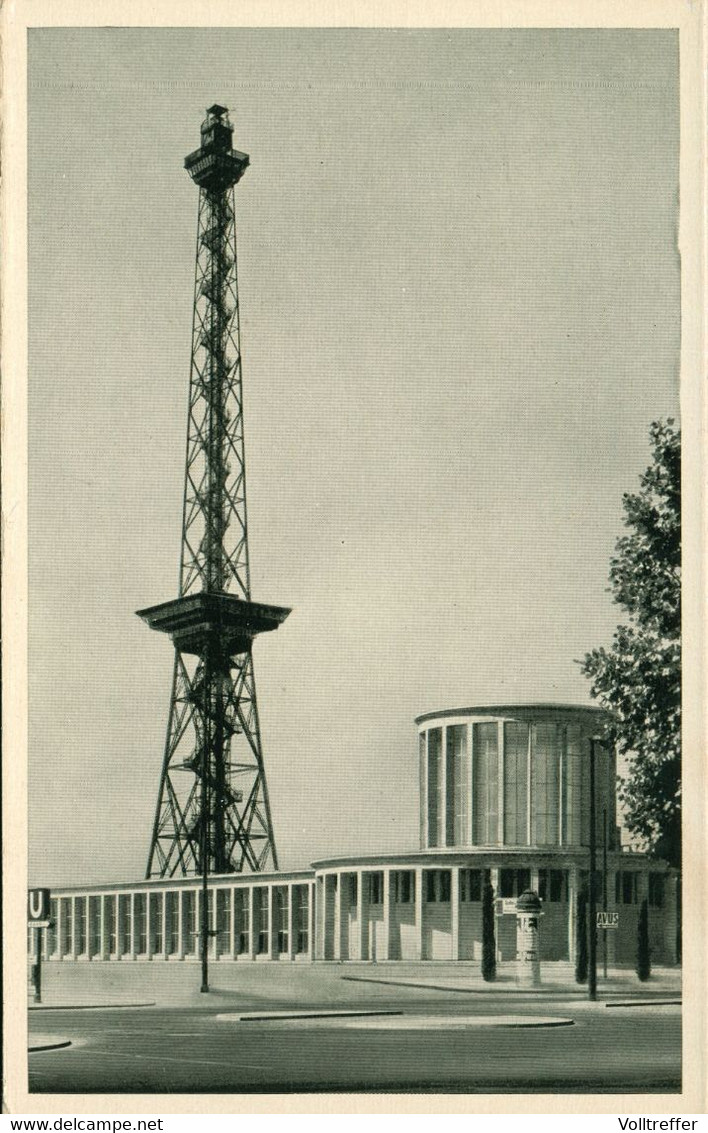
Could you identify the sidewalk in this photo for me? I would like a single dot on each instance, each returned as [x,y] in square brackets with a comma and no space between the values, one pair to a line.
[325,983]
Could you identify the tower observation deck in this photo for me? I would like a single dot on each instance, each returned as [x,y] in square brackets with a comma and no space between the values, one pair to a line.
[213,813]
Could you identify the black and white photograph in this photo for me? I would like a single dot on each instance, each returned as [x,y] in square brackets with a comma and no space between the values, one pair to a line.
[354,410]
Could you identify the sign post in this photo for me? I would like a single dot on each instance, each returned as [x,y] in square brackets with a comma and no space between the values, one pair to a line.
[38,908]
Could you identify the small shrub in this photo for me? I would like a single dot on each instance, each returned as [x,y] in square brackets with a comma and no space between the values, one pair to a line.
[643,955]
[581,939]
[489,956]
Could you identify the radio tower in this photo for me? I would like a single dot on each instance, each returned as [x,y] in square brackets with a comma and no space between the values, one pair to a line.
[213,814]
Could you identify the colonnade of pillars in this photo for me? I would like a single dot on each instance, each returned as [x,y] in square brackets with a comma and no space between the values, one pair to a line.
[360,912]
[385,913]
[270,921]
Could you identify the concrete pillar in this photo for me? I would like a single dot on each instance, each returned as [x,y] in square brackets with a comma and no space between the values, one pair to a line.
[387,894]
[423,757]
[358,946]
[133,950]
[529,787]
[149,942]
[337,942]
[443,800]
[322,919]
[311,920]
[180,924]
[273,923]
[60,928]
[500,787]
[573,881]
[232,924]
[119,928]
[251,925]
[73,928]
[291,891]
[103,946]
[165,944]
[419,913]
[455,911]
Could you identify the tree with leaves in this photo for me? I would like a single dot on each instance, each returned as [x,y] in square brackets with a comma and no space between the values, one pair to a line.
[643,965]
[581,938]
[489,947]
[639,678]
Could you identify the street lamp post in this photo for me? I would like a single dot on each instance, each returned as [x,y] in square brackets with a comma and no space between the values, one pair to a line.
[592,903]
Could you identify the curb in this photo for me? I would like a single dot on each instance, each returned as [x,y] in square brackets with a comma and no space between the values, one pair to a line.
[88,1006]
[56,1044]
[276,1016]
[644,1003]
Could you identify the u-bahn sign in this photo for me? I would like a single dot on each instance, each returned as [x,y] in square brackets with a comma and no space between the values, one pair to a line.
[607,920]
[38,908]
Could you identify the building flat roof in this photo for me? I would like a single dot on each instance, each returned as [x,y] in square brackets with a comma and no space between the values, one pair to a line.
[511,709]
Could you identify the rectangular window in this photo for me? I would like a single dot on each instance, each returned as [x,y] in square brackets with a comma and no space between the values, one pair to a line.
[430,890]
[656,890]
[156,923]
[303,911]
[261,917]
[282,912]
[434,785]
[470,885]
[486,783]
[574,801]
[65,942]
[403,882]
[516,761]
[625,887]
[94,926]
[223,920]
[241,911]
[458,795]
[545,783]
[125,924]
[189,922]
[445,884]
[514,882]
[52,930]
[353,889]
[437,885]
[552,884]
[171,925]
[80,913]
[140,924]
[261,914]
[558,884]
[376,888]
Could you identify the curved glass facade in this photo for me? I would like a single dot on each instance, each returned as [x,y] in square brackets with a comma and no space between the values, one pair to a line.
[513,777]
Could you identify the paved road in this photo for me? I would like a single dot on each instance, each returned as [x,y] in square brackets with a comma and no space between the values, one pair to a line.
[188,1050]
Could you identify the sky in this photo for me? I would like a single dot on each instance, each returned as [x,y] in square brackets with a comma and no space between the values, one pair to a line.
[459,291]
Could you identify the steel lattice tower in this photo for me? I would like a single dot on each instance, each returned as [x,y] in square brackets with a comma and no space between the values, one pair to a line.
[213,814]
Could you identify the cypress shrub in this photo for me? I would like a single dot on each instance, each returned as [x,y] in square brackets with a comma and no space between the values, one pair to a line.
[581,939]
[643,957]
[489,958]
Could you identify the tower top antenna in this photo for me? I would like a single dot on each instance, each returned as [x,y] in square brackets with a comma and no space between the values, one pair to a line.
[216,165]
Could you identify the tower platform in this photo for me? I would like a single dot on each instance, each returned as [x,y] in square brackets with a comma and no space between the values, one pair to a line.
[193,621]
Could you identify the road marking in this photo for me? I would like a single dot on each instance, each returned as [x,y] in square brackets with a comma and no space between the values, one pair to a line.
[263,1016]
[188,1060]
